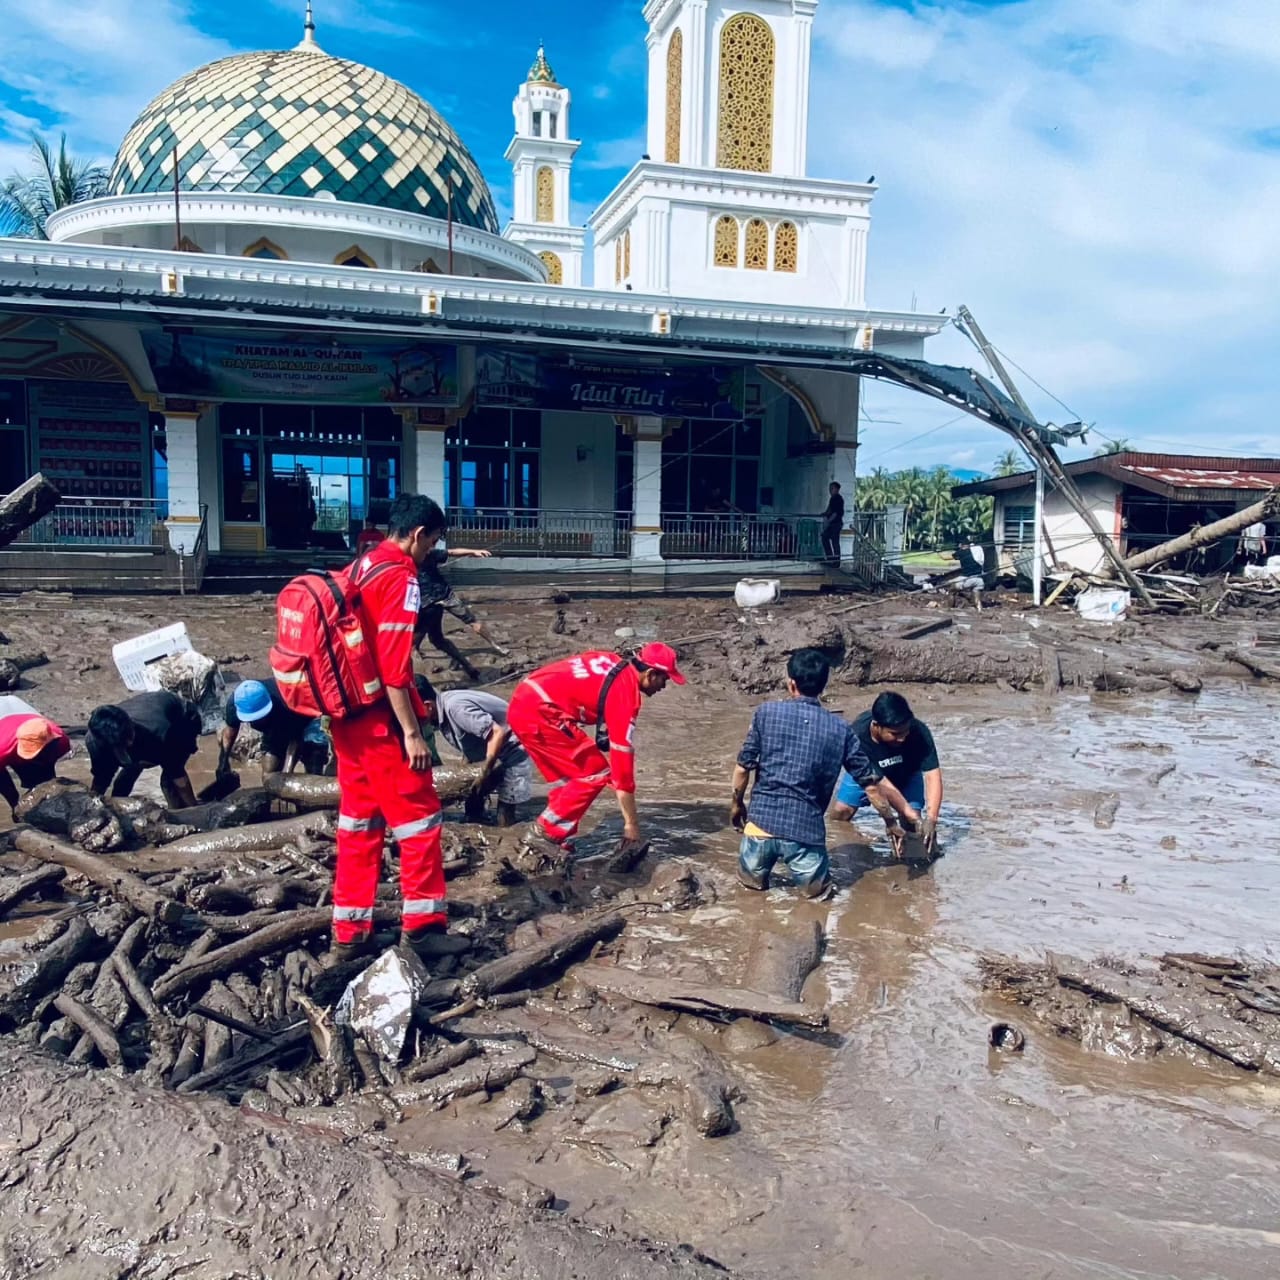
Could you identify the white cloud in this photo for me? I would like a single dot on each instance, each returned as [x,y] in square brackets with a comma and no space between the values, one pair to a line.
[1085,175]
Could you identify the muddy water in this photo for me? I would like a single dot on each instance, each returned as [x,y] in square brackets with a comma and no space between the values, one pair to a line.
[903,1145]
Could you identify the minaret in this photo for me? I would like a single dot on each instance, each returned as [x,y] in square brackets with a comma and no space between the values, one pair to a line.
[541,156]
[308,44]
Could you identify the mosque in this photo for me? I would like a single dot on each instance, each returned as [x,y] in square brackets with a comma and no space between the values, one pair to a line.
[296,300]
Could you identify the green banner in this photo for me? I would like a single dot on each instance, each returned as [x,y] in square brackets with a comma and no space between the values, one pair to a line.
[295,367]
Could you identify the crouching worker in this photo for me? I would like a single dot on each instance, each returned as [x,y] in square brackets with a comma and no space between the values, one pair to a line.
[475,723]
[904,761]
[148,731]
[30,748]
[796,750]
[547,713]
[258,703]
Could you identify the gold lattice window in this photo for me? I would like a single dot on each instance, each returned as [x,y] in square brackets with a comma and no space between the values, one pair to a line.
[545,209]
[675,85]
[617,261]
[786,247]
[626,254]
[745,134]
[756,257]
[726,247]
[555,268]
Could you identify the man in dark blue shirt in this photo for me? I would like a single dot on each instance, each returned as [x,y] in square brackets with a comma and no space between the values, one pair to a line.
[796,749]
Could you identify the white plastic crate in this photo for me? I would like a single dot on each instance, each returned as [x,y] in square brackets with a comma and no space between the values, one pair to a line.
[135,658]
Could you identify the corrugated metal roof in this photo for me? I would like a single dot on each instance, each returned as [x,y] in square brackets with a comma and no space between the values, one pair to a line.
[1202,478]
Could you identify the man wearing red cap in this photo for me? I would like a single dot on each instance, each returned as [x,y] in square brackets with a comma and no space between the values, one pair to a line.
[547,712]
[31,746]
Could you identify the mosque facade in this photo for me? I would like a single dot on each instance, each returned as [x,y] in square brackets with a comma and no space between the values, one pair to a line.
[296,300]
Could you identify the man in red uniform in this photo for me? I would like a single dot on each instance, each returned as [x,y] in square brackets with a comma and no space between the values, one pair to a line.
[384,763]
[547,711]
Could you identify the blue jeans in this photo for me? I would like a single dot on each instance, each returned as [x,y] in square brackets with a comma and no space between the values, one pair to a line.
[848,792]
[807,863]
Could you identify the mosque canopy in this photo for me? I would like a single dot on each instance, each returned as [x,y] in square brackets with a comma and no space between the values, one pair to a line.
[302,123]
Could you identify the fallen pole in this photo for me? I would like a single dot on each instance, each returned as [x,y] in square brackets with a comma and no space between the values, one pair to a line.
[1209,533]
[309,791]
[29,502]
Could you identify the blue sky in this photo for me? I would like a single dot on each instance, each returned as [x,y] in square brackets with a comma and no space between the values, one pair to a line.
[1098,180]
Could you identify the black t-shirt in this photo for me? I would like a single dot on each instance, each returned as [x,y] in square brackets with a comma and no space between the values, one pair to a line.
[834,514]
[165,732]
[899,762]
[433,584]
[279,726]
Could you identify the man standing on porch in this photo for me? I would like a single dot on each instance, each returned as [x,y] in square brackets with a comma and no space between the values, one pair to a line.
[547,712]
[832,523]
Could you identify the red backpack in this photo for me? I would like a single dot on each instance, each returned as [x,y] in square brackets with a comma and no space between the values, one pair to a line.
[322,660]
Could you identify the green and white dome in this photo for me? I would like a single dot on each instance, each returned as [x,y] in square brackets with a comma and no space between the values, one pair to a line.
[302,123]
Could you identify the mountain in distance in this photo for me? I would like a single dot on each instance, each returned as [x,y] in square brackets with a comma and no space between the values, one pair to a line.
[965,474]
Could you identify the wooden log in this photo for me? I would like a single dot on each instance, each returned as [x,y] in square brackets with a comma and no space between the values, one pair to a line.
[47,972]
[107,874]
[26,504]
[93,1025]
[14,890]
[513,970]
[256,836]
[779,965]
[190,1051]
[437,1064]
[249,1058]
[922,629]
[308,791]
[697,997]
[488,1074]
[1208,534]
[1243,658]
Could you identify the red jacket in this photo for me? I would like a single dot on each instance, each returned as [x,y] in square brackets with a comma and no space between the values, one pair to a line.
[390,602]
[573,685]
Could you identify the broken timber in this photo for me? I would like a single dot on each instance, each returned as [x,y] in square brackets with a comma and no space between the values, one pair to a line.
[510,971]
[31,500]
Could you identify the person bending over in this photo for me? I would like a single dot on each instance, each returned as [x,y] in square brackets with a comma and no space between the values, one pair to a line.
[148,731]
[30,748]
[258,703]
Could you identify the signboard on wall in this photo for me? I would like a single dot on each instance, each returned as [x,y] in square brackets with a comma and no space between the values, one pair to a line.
[90,439]
[311,368]
[527,380]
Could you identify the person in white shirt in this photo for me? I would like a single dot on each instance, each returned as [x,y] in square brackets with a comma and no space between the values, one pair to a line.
[1253,543]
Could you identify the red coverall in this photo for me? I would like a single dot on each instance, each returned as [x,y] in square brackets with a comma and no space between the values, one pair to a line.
[377,787]
[546,713]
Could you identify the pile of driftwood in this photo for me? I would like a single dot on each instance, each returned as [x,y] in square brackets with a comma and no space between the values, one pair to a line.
[203,964]
[1209,1008]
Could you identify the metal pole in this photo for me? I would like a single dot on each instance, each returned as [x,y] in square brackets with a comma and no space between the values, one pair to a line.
[450,181]
[1037,567]
[177,207]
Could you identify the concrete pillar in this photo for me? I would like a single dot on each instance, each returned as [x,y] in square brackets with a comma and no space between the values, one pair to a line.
[646,480]
[183,441]
[844,473]
[428,464]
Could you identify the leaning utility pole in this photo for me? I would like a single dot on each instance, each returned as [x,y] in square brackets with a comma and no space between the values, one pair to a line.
[1038,446]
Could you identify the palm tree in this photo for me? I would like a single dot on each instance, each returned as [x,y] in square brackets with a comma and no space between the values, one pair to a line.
[874,492]
[54,182]
[1009,463]
[1113,446]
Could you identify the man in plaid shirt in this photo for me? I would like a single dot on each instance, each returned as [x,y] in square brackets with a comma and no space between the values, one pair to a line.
[796,749]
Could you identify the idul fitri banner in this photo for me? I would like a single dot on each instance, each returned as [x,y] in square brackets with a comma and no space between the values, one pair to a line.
[519,379]
[295,367]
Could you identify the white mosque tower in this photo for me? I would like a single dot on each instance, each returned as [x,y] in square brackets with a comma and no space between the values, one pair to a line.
[541,156]
[720,206]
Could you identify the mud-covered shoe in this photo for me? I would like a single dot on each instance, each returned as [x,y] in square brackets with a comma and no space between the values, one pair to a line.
[431,941]
[538,853]
[345,952]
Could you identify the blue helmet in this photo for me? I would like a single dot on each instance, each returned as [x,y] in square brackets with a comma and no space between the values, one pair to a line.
[252,700]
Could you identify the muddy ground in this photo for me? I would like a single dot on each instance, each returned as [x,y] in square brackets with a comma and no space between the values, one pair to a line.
[900,1142]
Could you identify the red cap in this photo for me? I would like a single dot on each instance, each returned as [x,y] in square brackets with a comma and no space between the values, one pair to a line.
[661,657]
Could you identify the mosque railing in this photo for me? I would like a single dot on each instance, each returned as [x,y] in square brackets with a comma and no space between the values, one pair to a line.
[541,531]
[740,536]
[80,522]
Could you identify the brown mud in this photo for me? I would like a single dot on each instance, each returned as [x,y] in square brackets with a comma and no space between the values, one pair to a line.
[898,1141]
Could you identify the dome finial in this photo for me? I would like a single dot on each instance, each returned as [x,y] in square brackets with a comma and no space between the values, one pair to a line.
[308,44]
[540,72]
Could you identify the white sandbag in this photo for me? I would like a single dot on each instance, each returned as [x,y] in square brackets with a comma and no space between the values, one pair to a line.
[752,593]
[1102,604]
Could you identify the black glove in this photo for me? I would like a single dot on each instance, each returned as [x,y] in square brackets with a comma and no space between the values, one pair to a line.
[224,763]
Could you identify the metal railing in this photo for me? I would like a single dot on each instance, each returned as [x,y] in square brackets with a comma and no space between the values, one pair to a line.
[136,523]
[741,536]
[521,531]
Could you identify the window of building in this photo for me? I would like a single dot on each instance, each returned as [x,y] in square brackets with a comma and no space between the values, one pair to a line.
[13,434]
[1019,528]
[537,124]
[675,86]
[555,268]
[756,257]
[744,138]
[706,463]
[354,257]
[545,195]
[626,254]
[492,461]
[264,248]
[786,247]
[617,260]
[553,119]
[726,242]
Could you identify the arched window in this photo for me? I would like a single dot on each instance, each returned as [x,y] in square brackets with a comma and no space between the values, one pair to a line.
[354,257]
[430,267]
[786,247]
[545,210]
[265,248]
[756,257]
[726,245]
[745,133]
[675,85]
[626,254]
[188,245]
[617,261]
[555,268]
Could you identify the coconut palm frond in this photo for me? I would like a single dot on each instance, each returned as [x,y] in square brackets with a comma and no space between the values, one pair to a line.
[56,180]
